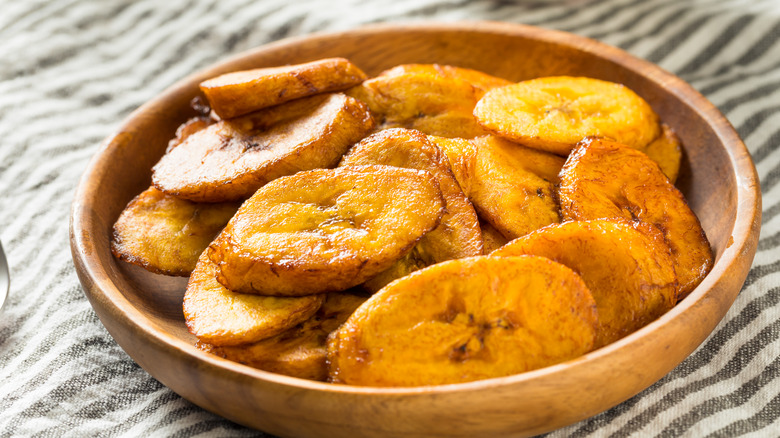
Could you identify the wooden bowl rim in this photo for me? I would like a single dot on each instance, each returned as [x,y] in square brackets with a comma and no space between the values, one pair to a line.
[95,279]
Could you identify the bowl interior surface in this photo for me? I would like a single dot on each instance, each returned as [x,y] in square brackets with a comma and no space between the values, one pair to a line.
[143,311]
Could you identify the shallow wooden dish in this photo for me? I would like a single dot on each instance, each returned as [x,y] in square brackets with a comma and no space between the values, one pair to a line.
[143,313]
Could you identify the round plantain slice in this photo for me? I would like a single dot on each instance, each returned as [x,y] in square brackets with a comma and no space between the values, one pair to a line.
[604,179]
[326,230]
[218,316]
[666,151]
[513,187]
[626,265]
[465,320]
[480,80]
[430,103]
[242,92]
[165,234]
[554,113]
[458,234]
[299,351]
[231,159]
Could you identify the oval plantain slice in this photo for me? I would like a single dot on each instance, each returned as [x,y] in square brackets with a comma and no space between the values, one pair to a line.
[299,351]
[513,187]
[480,80]
[554,113]
[604,179]
[666,151]
[326,230]
[231,159]
[165,234]
[458,234]
[465,320]
[430,103]
[218,316]
[630,274]
[242,92]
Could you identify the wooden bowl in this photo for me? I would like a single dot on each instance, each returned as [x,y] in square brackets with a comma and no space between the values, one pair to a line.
[143,312]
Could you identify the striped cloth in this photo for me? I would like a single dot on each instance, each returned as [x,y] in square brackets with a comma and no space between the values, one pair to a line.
[71,71]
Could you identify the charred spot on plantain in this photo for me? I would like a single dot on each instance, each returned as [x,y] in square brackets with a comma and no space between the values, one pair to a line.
[473,348]
[455,306]
[255,145]
[303,80]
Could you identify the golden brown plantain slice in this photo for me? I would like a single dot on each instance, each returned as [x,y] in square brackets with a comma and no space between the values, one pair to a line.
[430,103]
[299,351]
[221,317]
[480,80]
[231,159]
[464,320]
[458,234]
[554,113]
[630,274]
[604,179]
[512,187]
[326,230]
[666,151]
[165,234]
[242,92]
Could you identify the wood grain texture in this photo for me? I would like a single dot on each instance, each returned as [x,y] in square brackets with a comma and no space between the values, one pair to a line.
[142,311]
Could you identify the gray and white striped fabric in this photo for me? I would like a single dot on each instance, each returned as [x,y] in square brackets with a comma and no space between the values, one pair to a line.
[71,71]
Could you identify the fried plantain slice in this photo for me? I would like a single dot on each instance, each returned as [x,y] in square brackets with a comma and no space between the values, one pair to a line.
[629,272]
[480,80]
[242,92]
[231,159]
[299,351]
[221,317]
[464,320]
[666,151]
[512,187]
[326,230]
[458,235]
[165,234]
[554,113]
[430,103]
[604,179]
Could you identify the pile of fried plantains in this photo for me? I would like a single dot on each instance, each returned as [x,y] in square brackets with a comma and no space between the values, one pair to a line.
[430,225]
